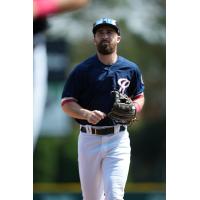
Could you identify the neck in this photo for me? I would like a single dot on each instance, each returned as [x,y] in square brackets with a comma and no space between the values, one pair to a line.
[107,59]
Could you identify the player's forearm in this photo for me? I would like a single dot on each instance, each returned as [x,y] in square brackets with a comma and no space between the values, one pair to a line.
[139,102]
[74,110]
[42,8]
[69,5]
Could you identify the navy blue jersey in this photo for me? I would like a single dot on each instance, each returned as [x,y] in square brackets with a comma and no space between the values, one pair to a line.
[91,83]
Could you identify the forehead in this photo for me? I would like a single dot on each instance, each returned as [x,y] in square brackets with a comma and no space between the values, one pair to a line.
[105,27]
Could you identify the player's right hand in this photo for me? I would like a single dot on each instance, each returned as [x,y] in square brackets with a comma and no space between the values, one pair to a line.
[95,116]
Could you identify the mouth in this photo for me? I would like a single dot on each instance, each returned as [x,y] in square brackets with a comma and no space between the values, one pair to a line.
[105,41]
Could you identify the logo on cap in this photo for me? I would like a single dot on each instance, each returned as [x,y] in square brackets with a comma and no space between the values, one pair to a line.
[108,21]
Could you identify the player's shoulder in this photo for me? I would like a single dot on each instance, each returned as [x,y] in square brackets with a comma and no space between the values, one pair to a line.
[85,64]
[129,63]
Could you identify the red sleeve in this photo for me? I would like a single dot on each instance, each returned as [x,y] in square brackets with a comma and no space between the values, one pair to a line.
[138,96]
[67,100]
[45,7]
[137,103]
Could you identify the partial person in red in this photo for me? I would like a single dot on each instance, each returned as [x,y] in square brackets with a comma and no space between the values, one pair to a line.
[41,10]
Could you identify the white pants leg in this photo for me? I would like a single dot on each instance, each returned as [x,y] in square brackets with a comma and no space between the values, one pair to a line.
[115,166]
[40,84]
[103,165]
[90,170]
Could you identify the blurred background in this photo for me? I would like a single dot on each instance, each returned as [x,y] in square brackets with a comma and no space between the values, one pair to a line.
[69,41]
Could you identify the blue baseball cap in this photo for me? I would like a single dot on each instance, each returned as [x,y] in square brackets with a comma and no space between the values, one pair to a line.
[105,21]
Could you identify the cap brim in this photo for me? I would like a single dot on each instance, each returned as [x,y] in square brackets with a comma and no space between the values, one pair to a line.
[110,25]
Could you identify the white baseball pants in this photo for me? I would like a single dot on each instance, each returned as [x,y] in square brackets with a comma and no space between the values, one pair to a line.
[40,84]
[103,165]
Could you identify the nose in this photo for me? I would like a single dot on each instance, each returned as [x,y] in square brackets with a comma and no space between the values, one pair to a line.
[105,35]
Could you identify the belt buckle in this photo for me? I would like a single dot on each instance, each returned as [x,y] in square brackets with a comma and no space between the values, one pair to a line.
[95,131]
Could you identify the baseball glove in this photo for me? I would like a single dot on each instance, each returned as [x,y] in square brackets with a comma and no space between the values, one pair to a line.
[123,110]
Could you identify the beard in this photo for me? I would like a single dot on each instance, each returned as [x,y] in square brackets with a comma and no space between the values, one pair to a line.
[105,47]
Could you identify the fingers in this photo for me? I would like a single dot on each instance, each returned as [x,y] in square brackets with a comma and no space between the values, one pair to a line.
[100,114]
[95,116]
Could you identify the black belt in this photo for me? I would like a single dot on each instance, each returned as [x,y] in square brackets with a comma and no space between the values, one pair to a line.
[102,131]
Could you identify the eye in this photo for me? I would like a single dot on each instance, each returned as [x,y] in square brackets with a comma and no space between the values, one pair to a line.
[100,32]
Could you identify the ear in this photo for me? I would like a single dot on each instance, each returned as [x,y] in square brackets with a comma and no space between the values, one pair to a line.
[94,40]
[118,39]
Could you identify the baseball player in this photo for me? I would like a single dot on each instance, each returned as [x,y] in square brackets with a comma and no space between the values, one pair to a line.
[103,144]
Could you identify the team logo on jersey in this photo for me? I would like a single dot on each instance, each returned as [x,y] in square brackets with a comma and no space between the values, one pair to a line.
[123,83]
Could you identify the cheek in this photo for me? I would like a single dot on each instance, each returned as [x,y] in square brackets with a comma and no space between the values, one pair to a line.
[95,42]
[114,41]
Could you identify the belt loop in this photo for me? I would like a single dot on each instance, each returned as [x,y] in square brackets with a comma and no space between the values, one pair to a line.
[86,127]
[89,129]
[116,129]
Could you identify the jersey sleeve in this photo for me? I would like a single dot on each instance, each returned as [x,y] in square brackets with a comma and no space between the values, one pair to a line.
[72,87]
[137,84]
